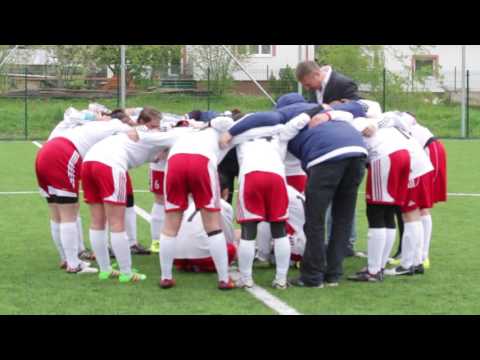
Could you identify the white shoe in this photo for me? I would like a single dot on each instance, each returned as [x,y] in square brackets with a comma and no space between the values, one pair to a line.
[280,284]
[83,268]
[245,283]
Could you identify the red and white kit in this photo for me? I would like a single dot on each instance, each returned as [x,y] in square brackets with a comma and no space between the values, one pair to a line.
[296,177]
[395,162]
[192,166]
[295,223]
[192,245]
[262,192]
[104,173]
[59,162]
[157,177]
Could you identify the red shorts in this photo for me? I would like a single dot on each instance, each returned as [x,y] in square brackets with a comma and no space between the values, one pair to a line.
[191,174]
[262,196]
[438,157]
[387,179]
[58,167]
[104,184]
[298,182]
[206,264]
[415,196]
[156,182]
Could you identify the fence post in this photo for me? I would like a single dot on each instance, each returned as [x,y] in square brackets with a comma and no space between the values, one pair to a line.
[25,121]
[468,105]
[384,89]
[208,89]
[455,80]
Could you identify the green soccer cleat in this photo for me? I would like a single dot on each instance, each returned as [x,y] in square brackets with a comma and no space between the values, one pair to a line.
[116,267]
[105,275]
[426,264]
[134,278]
[155,247]
[394,262]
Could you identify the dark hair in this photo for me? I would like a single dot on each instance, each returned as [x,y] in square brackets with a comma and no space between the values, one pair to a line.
[237,115]
[149,114]
[306,68]
[119,114]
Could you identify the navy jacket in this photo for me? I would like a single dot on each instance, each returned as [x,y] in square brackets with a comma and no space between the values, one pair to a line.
[331,141]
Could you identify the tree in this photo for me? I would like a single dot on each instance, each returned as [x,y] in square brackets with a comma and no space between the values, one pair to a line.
[214,62]
[143,61]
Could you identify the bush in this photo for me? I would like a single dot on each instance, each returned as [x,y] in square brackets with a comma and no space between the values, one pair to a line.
[287,82]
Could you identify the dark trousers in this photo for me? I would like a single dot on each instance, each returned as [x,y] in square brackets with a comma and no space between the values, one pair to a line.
[337,183]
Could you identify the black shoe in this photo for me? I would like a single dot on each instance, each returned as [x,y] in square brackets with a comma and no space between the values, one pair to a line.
[138,249]
[420,269]
[350,252]
[367,277]
[298,282]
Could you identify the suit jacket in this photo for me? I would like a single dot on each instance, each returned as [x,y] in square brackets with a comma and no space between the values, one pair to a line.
[339,87]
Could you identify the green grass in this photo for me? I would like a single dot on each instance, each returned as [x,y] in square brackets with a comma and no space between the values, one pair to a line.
[31,283]
[44,114]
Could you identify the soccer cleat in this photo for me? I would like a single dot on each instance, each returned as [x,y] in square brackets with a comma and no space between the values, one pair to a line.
[228,285]
[399,270]
[298,282]
[280,284]
[82,268]
[419,269]
[115,266]
[134,278]
[167,283]
[155,247]
[426,264]
[366,277]
[360,254]
[87,255]
[332,284]
[394,262]
[105,275]
[138,249]
[244,283]
[63,265]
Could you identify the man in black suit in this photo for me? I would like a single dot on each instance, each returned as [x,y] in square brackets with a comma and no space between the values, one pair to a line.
[327,85]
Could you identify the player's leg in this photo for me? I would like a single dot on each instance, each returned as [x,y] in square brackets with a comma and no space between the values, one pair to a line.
[173,220]
[246,253]
[158,217]
[55,231]
[282,249]
[426,218]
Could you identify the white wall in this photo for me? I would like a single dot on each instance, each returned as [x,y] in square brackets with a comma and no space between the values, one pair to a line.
[449,58]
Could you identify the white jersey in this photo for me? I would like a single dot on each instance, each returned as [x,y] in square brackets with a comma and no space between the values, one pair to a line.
[388,140]
[296,220]
[206,142]
[293,166]
[192,240]
[262,154]
[71,119]
[84,137]
[409,124]
[122,153]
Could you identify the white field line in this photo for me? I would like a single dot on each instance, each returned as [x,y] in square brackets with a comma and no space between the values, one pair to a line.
[258,292]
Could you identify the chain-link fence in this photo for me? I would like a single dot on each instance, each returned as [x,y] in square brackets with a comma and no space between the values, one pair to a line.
[34,93]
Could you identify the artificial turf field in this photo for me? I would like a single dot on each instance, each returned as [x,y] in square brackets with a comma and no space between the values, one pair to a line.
[31,283]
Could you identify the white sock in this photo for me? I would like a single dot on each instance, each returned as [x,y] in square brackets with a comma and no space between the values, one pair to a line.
[375,248]
[282,250]
[69,239]
[158,217]
[246,256]
[55,231]
[131,225]
[427,235]
[81,242]
[121,249]
[99,241]
[411,235]
[167,255]
[391,234]
[418,260]
[218,249]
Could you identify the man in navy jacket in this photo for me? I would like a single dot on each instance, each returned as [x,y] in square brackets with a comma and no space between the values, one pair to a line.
[334,155]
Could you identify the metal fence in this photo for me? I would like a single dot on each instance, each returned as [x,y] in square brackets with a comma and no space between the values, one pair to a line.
[33,98]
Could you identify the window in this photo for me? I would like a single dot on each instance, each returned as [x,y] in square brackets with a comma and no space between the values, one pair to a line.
[255,50]
[425,65]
